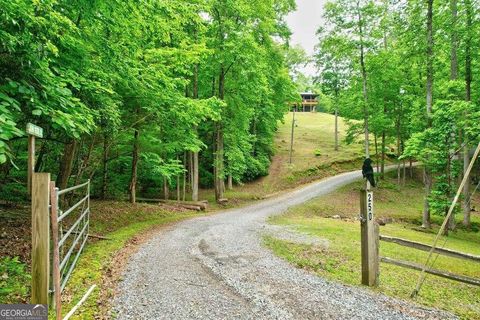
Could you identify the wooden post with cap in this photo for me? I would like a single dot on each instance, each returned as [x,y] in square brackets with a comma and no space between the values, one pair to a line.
[369,234]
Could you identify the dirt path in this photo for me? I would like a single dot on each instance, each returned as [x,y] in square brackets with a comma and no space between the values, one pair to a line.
[215,267]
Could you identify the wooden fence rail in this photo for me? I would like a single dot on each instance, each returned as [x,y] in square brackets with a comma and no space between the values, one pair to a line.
[370,243]
[443,274]
[427,248]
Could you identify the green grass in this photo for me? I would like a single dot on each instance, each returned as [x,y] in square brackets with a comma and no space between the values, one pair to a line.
[340,261]
[14,278]
[314,134]
[314,157]
[314,154]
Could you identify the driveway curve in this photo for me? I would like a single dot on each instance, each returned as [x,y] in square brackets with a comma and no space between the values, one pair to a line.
[215,267]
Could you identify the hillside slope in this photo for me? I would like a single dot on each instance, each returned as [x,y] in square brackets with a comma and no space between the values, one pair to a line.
[314,154]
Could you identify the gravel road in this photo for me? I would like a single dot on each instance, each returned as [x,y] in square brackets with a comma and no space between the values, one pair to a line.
[215,267]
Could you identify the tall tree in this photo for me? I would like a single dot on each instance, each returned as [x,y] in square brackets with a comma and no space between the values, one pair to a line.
[429,104]
[468,99]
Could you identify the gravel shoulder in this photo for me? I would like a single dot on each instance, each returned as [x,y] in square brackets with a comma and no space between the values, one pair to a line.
[215,267]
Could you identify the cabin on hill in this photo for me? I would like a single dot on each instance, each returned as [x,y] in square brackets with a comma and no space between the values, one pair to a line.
[309,102]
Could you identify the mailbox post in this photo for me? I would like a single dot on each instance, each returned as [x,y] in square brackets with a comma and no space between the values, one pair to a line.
[369,240]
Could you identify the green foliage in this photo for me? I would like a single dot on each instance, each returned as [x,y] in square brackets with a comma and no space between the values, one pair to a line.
[94,74]
[14,279]
[393,36]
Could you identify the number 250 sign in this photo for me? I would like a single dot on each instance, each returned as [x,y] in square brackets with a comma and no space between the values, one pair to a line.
[370,205]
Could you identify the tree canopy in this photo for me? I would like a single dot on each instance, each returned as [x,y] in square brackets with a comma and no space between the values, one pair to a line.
[135,94]
[406,69]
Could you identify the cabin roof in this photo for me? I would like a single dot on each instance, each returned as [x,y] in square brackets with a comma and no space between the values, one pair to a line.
[308,94]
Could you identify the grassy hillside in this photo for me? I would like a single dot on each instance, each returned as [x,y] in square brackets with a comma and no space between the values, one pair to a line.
[335,218]
[314,156]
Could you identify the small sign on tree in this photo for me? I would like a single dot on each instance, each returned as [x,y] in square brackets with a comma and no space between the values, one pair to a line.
[34,130]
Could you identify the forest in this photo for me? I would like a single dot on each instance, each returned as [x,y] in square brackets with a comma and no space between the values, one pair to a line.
[142,97]
[166,105]
[149,98]
[408,70]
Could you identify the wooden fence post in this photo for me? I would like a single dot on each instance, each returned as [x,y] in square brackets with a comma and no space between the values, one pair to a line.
[40,237]
[56,254]
[369,240]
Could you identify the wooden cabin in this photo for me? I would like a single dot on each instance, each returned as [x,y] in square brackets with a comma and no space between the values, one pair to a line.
[309,102]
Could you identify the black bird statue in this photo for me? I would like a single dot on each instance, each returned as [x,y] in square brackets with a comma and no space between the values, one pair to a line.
[367,171]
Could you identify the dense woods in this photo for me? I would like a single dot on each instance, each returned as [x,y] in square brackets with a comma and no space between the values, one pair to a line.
[160,98]
[142,97]
[408,70]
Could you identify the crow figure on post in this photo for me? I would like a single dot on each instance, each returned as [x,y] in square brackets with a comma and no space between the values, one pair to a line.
[367,171]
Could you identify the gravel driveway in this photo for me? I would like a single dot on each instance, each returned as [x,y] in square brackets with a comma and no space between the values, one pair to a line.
[215,267]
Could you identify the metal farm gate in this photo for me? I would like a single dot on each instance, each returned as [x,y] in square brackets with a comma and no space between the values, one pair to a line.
[65,215]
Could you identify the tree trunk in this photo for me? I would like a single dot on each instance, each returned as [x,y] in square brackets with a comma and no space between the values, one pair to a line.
[230,182]
[385,47]
[166,189]
[190,171]
[219,150]
[468,98]
[398,154]
[66,164]
[219,165]
[336,129]
[292,134]
[426,206]
[451,220]
[41,155]
[427,171]
[410,168]
[133,179]
[364,84]
[454,42]
[466,190]
[178,184]
[376,152]
[85,161]
[382,166]
[195,176]
[184,191]
[453,77]
[106,149]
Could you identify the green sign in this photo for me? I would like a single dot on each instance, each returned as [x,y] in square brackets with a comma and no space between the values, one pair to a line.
[34,130]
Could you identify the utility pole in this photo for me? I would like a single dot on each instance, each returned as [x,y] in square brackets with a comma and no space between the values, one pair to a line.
[336,128]
[291,137]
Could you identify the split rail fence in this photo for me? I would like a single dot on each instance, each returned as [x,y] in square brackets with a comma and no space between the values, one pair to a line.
[370,246]
[427,248]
